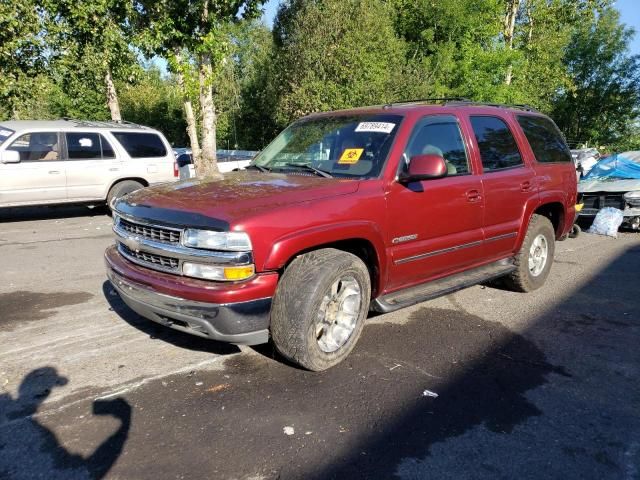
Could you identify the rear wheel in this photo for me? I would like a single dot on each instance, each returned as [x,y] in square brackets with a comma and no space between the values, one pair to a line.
[534,260]
[121,189]
[320,308]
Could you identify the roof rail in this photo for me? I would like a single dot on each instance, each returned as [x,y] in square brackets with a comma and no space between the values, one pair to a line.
[103,123]
[463,101]
[428,100]
[519,106]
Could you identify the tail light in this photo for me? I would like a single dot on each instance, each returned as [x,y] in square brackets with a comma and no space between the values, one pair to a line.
[176,171]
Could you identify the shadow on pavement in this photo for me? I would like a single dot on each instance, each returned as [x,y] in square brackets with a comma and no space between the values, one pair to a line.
[22,214]
[162,333]
[28,449]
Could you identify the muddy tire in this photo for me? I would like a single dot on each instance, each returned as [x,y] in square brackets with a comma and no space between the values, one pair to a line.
[320,308]
[533,261]
[121,189]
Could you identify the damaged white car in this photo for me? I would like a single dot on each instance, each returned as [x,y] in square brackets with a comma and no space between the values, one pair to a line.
[613,182]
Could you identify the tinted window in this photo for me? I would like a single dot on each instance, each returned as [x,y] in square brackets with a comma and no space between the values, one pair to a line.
[88,146]
[4,134]
[36,146]
[107,150]
[498,148]
[440,135]
[84,146]
[141,145]
[545,139]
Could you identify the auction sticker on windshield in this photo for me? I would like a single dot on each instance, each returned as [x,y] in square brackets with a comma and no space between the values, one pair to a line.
[379,127]
[350,156]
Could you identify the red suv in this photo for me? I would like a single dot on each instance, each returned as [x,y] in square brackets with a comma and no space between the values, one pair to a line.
[372,208]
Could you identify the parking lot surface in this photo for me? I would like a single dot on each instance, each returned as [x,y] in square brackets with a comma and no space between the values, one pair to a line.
[483,383]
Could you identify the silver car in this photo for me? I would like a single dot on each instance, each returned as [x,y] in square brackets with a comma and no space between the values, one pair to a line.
[70,161]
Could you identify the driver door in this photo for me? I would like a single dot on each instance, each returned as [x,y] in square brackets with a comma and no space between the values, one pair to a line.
[40,175]
[435,225]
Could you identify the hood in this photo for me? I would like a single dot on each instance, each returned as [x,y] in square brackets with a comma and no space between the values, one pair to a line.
[608,185]
[238,195]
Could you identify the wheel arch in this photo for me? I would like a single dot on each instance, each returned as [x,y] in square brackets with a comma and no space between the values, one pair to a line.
[141,180]
[358,239]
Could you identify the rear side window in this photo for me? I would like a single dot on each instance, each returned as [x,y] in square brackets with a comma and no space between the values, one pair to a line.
[141,145]
[545,139]
[88,146]
[498,148]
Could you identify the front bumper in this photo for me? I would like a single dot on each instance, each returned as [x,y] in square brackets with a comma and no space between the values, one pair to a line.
[242,322]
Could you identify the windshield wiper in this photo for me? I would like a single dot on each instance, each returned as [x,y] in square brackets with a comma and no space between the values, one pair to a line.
[309,168]
[258,167]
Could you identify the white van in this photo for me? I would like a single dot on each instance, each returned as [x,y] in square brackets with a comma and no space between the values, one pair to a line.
[70,161]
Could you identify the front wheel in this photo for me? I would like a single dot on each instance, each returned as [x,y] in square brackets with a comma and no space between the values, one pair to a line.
[533,261]
[121,189]
[320,308]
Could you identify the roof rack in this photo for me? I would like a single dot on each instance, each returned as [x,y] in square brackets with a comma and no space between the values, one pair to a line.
[103,123]
[449,101]
[519,106]
[442,100]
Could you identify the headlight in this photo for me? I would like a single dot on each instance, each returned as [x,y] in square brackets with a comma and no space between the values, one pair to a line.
[215,272]
[632,198]
[232,241]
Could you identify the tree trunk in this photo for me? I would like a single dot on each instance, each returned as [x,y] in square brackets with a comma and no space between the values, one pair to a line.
[209,164]
[509,27]
[112,97]
[192,128]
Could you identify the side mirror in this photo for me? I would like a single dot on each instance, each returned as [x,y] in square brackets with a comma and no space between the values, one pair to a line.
[10,156]
[424,167]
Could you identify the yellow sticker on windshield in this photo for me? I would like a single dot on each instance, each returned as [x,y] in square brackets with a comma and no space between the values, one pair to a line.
[350,156]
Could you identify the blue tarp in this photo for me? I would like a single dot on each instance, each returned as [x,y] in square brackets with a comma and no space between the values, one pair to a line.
[615,166]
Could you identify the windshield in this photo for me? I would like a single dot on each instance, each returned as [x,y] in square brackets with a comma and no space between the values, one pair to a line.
[4,134]
[342,146]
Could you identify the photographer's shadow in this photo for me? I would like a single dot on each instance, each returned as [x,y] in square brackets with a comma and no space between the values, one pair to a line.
[28,449]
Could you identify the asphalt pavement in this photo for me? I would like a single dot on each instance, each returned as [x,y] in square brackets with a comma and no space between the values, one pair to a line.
[481,384]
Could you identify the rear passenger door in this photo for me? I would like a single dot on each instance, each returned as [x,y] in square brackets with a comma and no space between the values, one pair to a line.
[92,165]
[508,182]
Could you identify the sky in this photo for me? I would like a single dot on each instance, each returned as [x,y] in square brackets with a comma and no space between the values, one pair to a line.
[629,10]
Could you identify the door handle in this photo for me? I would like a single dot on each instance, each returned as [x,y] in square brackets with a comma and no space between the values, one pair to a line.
[525,186]
[473,196]
[54,172]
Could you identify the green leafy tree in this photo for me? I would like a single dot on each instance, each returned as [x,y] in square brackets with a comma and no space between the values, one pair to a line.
[334,54]
[192,35]
[21,54]
[603,105]
[96,36]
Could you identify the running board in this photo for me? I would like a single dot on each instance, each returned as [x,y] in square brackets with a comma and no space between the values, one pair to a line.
[443,286]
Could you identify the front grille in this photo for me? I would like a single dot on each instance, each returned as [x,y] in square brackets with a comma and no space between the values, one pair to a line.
[155,233]
[150,259]
[602,200]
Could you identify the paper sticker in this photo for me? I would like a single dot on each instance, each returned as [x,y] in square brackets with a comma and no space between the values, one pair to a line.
[5,133]
[350,156]
[381,127]
[85,142]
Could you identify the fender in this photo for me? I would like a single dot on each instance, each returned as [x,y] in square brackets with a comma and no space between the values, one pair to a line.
[544,198]
[286,247]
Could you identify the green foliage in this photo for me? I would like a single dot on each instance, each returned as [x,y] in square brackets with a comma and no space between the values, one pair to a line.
[155,101]
[603,105]
[334,54]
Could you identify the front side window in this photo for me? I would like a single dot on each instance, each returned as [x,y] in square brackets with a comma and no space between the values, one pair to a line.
[498,148]
[545,139]
[350,146]
[440,135]
[88,146]
[4,134]
[36,146]
[141,145]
